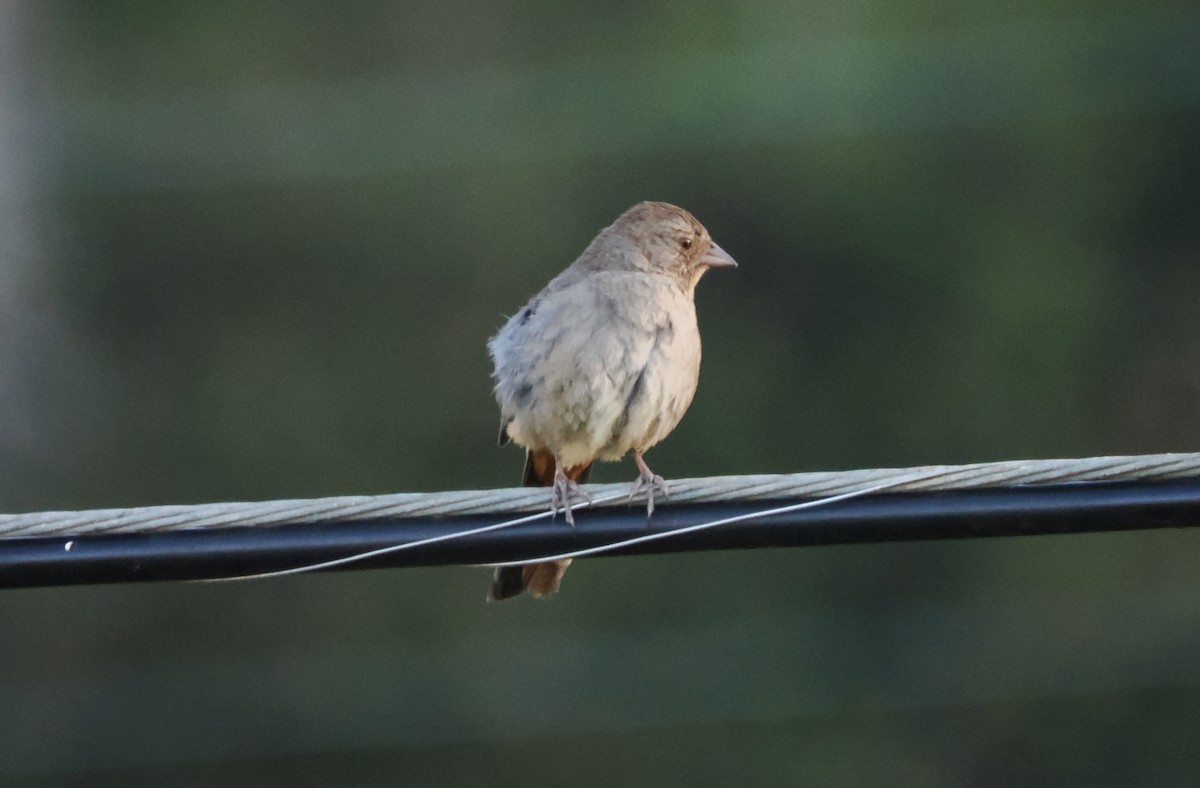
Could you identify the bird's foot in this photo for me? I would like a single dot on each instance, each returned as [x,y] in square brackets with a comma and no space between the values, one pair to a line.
[649,482]
[560,498]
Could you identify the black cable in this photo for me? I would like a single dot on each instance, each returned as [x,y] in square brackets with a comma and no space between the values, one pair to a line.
[209,553]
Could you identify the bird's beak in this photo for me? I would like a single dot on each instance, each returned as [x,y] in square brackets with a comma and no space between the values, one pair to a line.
[716,257]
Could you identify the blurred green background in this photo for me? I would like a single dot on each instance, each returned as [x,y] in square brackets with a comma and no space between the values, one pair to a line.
[254,250]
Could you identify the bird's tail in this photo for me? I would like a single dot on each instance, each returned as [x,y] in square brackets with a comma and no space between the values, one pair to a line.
[540,579]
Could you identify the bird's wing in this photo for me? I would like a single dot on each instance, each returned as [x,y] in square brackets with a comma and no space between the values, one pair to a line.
[581,347]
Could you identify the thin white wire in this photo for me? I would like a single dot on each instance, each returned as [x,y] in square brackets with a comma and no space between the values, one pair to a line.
[574,554]
[296,570]
[604,548]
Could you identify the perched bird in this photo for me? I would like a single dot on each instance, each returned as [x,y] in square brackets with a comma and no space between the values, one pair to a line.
[602,362]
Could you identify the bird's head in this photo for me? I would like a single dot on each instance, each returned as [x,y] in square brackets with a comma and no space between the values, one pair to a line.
[662,238]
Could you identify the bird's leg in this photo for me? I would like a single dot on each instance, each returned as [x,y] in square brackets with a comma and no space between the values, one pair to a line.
[564,488]
[649,481]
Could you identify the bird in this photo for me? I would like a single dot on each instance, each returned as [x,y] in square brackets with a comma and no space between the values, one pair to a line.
[603,362]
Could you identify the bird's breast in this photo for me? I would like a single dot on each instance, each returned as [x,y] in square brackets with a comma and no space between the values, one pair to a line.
[665,382]
[593,370]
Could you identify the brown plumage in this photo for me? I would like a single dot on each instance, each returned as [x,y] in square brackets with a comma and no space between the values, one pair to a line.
[603,361]
[539,579]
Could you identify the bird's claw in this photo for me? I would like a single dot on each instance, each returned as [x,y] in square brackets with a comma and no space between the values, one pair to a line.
[649,482]
[560,498]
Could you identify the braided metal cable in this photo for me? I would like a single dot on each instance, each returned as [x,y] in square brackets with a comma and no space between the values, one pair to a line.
[156,519]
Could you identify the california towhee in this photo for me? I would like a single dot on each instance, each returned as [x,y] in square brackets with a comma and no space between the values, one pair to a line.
[603,361]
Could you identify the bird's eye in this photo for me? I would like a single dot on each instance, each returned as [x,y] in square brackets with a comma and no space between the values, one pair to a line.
[686,243]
